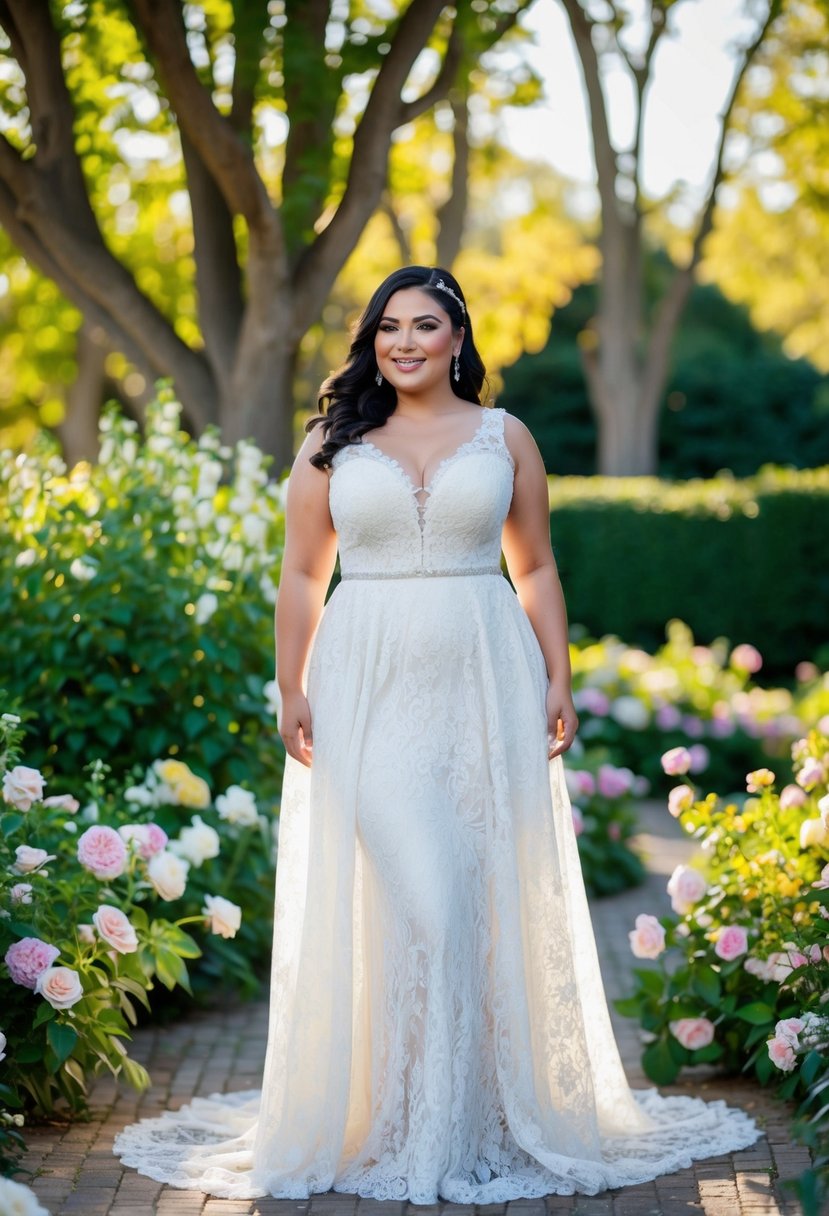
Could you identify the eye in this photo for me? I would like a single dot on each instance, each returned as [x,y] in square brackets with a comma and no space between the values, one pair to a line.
[386,328]
[427,325]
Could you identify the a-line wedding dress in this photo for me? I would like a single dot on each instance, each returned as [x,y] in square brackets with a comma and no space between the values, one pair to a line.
[438,1025]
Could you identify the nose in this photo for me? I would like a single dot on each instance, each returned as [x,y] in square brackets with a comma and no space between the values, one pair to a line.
[405,339]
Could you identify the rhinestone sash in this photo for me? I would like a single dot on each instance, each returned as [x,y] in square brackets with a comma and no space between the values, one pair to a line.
[450,572]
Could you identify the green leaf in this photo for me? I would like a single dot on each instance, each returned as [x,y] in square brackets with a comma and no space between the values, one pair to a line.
[629,1007]
[182,943]
[810,1066]
[706,984]
[756,1013]
[10,823]
[62,1039]
[659,1064]
[135,1074]
[707,1055]
[44,1014]
[652,981]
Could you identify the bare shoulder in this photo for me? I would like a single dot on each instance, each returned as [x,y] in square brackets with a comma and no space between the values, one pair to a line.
[519,438]
[311,444]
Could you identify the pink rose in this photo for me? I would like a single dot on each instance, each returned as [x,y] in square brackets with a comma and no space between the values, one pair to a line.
[62,802]
[115,928]
[28,959]
[613,782]
[578,820]
[592,701]
[686,887]
[781,1054]
[29,859]
[788,1029]
[676,761]
[681,798]
[811,774]
[22,786]
[584,783]
[731,943]
[60,986]
[149,838]
[102,851]
[21,893]
[647,940]
[746,658]
[792,795]
[692,1033]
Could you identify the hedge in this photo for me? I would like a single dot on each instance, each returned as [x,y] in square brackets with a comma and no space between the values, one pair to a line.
[736,558]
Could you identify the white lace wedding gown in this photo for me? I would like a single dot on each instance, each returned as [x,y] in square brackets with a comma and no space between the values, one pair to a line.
[438,1025]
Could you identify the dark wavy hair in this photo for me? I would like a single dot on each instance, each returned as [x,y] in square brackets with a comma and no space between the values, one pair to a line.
[351,402]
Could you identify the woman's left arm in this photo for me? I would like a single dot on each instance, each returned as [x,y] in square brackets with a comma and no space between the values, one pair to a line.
[532,569]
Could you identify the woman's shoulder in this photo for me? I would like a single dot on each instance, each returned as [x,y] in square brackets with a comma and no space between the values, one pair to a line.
[517,435]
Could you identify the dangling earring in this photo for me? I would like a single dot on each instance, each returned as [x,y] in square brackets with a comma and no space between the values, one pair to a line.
[457,368]
[379,377]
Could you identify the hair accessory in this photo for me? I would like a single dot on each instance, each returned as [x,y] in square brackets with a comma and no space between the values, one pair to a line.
[441,286]
[457,368]
[379,377]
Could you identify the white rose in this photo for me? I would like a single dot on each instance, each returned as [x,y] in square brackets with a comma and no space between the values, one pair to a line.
[224,916]
[812,831]
[60,986]
[21,893]
[273,697]
[22,786]
[82,570]
[630,712]
[26,557]
[823,808]
[168,874]
[254,530]
[17,1200]
[686,887]
[237,805]
[206,605]
[198,843]
[29,859]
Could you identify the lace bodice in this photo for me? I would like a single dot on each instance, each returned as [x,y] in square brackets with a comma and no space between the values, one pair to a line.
[384,526]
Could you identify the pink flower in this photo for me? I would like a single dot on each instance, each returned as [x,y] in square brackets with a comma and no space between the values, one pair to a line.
[792,795]
[102,851]
[686,887]
[60,986]
[692,726]
[149,838]
[86,933]
[28,958]
[788,1029]
[584,783]
[62,802]
[692,1033]
[746,658]
[731,943]
[22,786]
[668,717]
[29,859]
[647,940]
[676,761]
[592,701]
[722,728]
[613,782]
[115,928]
[759,779]
[578,820]
[781,1054]
[681,798]
[21,893]
[811,774]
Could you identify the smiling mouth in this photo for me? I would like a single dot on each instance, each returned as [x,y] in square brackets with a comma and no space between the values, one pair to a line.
[405,363]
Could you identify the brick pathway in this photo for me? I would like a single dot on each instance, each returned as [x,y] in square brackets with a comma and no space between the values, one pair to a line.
[77,1174]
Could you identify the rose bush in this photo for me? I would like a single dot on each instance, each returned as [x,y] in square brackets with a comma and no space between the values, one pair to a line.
[742,964]
[137,600]
[112,881]
[604,815]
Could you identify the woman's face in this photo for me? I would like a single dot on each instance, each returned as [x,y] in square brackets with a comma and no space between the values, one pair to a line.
[415,342]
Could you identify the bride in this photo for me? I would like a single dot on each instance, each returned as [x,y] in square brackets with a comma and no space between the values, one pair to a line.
[438,1027]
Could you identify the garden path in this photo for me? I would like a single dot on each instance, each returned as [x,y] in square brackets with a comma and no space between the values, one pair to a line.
[77,1175]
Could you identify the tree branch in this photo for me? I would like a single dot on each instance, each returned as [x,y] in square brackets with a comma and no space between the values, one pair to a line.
[228,158]
[452,214]
[409,110]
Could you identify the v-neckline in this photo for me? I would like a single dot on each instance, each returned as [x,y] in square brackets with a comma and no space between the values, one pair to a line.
[427,488]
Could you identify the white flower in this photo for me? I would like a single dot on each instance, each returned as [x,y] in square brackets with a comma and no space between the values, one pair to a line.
[686,887]
[198,843]
[14,719]
[206,605]
[254,530]
[23,786]
[21,893]
[140,795]
[30,859]
[17,1200]
[2,1046]
[81,570]
[237,805]
[168,874]
[630,712]
[60,986]
[273,697]
[823,808]
[813,831]
[26,557]
[225,917]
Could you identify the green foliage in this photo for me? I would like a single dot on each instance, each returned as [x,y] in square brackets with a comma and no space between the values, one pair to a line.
[137,598]
[602,797]
[743,953]
[733,401]
[636,552]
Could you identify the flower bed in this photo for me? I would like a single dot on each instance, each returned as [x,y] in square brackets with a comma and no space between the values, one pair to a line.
[98,902]
[741,973]
[603,798]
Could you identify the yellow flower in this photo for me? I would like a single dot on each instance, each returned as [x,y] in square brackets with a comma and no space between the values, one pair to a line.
[759,779]
[173,771]
[193,791]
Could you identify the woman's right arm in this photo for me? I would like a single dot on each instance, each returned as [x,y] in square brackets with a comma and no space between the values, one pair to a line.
[307,565]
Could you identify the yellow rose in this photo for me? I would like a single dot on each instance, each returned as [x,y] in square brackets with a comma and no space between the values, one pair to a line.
[193,791]
[173,771]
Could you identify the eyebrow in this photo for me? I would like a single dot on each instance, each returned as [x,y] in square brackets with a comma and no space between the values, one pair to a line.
[427,316]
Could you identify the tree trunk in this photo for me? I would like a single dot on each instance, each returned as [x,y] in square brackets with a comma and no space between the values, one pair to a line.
[628,431]
[260,404]
[78,432]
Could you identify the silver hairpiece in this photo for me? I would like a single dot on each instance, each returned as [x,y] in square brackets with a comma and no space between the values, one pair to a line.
[441,286]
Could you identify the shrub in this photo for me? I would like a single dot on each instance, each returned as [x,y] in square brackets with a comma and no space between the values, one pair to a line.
[733,558]
[96,898]
[137,600]
[604,817]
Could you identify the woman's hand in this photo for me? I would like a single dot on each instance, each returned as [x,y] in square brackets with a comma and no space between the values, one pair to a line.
[562,719]
[295,727]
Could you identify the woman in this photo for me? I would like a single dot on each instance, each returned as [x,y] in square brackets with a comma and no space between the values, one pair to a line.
[438,1026]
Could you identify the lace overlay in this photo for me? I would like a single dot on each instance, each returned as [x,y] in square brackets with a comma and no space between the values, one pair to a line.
[438,1025]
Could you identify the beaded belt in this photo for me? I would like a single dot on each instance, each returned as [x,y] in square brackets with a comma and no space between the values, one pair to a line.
[452,570]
